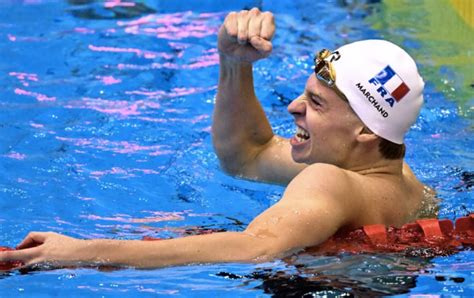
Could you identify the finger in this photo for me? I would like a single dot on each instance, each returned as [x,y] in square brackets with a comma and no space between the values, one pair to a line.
[23,255]
[268,26]
[263,46]
[255,23]
[230,24]
[243,24]
[33,239]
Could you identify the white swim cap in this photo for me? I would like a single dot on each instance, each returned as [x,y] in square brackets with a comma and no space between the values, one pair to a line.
[382,84]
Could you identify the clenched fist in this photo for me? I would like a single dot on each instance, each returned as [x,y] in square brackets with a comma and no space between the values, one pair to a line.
[246,36]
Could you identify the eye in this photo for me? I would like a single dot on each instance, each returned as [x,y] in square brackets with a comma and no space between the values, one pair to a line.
[315,100]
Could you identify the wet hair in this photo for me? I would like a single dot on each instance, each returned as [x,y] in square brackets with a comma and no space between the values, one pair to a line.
[389,150]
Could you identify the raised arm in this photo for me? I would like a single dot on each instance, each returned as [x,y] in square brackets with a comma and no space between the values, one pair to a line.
[242,136]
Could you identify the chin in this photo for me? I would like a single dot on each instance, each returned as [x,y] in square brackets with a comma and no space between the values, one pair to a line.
[300,159]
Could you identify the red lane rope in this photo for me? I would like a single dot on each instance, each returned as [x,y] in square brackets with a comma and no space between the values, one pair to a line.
[5,266]
[426,237]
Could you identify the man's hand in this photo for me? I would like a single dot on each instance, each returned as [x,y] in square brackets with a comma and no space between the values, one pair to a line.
[246,36]
[46,248]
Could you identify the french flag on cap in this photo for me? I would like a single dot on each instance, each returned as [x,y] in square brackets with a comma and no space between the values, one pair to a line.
[392,83]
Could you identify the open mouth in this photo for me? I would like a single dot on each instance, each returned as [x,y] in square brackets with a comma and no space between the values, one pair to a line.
[301,135]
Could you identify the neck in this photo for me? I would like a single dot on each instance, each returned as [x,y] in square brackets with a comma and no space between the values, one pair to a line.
[379,167]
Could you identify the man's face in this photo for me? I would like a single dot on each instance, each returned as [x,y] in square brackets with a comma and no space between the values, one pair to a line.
[326,126]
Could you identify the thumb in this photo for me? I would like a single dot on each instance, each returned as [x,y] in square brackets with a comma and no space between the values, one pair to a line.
[261,44]
[33,239]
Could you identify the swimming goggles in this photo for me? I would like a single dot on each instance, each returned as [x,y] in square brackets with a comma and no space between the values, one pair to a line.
[325,71]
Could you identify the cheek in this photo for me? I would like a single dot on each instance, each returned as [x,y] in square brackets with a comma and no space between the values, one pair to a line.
[338,131]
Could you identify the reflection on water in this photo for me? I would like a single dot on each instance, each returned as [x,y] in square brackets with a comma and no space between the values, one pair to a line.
[110,9]
[429,204]
[342,276]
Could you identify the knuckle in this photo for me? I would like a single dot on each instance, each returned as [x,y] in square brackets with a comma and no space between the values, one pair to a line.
[269,15]
[255,10]
[243,13]
[230,17]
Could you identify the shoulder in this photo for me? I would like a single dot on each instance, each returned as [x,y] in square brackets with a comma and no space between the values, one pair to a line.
[326,188]
[324,179]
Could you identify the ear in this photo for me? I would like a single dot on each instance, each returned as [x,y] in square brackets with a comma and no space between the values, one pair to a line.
[366,136]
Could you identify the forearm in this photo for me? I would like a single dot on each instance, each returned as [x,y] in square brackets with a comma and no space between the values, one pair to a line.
[240,126]
[217,247]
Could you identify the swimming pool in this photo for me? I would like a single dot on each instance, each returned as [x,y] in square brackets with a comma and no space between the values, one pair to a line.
[105,127]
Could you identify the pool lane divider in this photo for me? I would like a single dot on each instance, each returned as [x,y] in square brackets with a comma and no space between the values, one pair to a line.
[6,266]
[424,237]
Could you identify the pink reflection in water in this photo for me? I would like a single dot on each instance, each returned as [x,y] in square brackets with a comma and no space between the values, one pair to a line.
[157,217]
[179,45]
[199,62]
[176,111]
[156,120]
[199,118]
[36,125]
[38,96]
[14,38]
[32,1]
[138,52]
[83,30]
[108,80]
[123,147]
[119,107]
[24,77]
[194,120]
[15,155]
[185,34]
[166,65]
[204,61]
[173,18]
[173,26]
[63,222]
[118,3]
[127,173]
[175,92]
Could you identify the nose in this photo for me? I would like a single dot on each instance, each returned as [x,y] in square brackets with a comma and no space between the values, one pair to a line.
[297,106]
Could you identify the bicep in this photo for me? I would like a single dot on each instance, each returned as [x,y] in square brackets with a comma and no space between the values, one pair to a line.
[273,163]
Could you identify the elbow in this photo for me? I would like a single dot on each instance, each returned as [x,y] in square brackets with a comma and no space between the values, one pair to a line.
[231,167]
[256,254]
[264,250]
[230,160]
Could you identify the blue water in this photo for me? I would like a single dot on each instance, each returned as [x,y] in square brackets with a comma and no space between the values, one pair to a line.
[105,132]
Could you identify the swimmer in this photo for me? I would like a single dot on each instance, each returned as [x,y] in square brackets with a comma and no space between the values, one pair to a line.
[343,167]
